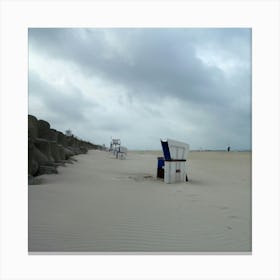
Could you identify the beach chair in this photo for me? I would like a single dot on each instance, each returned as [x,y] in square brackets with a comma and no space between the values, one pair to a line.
[173,166]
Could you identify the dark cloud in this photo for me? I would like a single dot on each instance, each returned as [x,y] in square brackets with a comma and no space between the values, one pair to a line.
[65,104]
[161,61]
[156,64]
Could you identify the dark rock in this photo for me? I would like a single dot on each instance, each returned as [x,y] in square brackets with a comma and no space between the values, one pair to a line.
[49,148]
[71,161]
[44,130]
[61,152]
[33,167]
[44,169]
[32,163]
[83,149]
[61,139]
[55,151]
[44,146]
[68,153]
[53,135]
[32,127]
[30,179]
[39,156]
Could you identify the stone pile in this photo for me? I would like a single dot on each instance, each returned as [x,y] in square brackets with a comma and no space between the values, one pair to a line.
[49,148]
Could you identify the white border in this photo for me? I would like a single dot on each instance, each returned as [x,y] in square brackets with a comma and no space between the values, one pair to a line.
[262,16]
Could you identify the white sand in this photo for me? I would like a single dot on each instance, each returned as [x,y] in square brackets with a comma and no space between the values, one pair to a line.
[101,204]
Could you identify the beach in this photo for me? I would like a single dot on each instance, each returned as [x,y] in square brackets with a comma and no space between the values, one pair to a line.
[102,204]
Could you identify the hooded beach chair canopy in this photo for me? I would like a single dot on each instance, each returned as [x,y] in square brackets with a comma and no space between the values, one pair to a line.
[174,150]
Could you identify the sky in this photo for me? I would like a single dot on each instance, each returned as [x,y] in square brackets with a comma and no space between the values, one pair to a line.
[144,84]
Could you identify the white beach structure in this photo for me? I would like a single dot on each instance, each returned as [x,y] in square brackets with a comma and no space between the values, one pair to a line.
[173,167]
[114,145]
[119,151]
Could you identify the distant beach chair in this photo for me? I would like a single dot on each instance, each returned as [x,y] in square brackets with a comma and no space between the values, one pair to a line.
[173,167]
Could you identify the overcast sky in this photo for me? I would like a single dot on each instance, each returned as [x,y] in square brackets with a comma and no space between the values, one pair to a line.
[140,85]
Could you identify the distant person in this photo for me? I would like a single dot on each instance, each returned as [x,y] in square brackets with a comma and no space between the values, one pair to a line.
[228,148]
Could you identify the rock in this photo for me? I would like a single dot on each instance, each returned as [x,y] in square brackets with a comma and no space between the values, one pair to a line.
[32,163]
[55,151]
[35,180]
[44,130]
[33,167]
[61,139]
[44,169]
[49,148]
[32,127]
[68,153]
[53,135]
[39,156]
[61,152]
[83,149]
[44,146]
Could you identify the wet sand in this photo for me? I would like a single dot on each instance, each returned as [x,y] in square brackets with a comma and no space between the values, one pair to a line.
[101,204]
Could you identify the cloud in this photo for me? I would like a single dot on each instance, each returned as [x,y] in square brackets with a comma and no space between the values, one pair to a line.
[204,71]
[65,104]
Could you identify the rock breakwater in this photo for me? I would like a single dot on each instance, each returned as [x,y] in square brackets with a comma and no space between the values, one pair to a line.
[49,148]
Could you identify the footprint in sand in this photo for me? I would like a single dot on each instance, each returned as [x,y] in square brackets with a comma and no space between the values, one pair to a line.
[142,177]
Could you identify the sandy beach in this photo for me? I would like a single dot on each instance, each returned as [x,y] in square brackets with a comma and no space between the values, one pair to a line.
[101,204]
